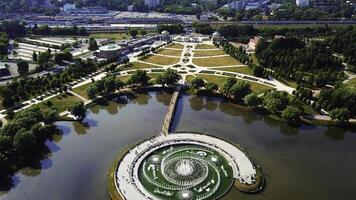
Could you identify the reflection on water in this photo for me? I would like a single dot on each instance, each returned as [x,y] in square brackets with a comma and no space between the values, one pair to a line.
[299,163]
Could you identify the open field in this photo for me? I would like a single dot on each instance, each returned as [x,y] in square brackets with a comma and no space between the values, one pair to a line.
[170,52]
[138,65]
[352,83]
[161,60]
[209,53]
[256,87]
[205,46]
[242,70]
[82,90]
[175,46]
[113,36]
[216,62]
[62,102]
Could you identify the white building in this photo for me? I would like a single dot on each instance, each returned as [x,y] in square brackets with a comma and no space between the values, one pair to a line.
[109,52]
[68,7]
[152,3]
[165,36]
[302,3]
[235,5]
[130,8]
[216,37]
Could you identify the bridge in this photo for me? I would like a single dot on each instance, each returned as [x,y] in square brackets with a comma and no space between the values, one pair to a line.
[168,120]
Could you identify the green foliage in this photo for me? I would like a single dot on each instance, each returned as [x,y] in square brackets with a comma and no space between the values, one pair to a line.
[340,115]
[93,45]
[275,101]
[169,77]
[211,87]
[34,56]
[172,29]
[78,110]
[292,115]
[92,91]
[253,100]
[340,97]
[197,83]
[133,32]
[227,85]
[202,28]
[139,77]
[22,67]
[240,89]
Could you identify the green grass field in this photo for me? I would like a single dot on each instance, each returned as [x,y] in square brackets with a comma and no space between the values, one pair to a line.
[113,36]
[256,87]
[205,46]
[161,60]
[175,46]
[170,52]
[243,70]
[82,90]
[352,83]
[138,65]
[216,62]
[62,102]
[209,53]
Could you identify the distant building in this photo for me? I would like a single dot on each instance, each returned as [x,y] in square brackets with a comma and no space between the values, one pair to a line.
[235,5]
[68,7]
[165,36]
[152,3]
[216,37]
[253,43]
[213,2]
[130,8]
[109,52]
[326,4]
[302,3]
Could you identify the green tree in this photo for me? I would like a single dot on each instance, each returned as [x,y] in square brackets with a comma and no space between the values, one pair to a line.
[240,89]
[143,32]
[275,101]
[253,100]
[34,56]
[110,84]
[169,77]
[93,45]
[227,85]
[197,83]
[5,144]
[340,115]
[292,115]
[78,110]
[211,87]
[50,116]
[92,91]
[139,77]
[133,32]
[22,67]
[24,142]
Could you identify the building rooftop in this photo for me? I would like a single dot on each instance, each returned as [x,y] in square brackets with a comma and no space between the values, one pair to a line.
[110,47]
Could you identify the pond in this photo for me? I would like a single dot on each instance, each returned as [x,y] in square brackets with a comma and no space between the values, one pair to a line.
[309,162]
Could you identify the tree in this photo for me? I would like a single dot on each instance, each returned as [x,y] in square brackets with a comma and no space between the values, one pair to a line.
[110,84]
[133,32]
[292,115]
[211,87]
[10,113]
[197,83]
[275,101]
[44,58]
[340,115]
[139,77]
[22,67]
[240,89]
[5,144]
[34,56]
[253,100]
[78,110]
[169,77]
[8,102]
[143,32]
[50,116]
[93,45]
[92,91]
[24,142]
[227,85]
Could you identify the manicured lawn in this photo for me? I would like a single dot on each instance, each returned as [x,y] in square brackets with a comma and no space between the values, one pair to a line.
[189,78]
[161,60]
[113,36]
[352,82]
[205,46]
[62,102]
[170,52]
[153,77]
[124,78]
[243,70]
[256,87]
[208,53]
[82,90]
[175,46]
[138,65]
[216,62]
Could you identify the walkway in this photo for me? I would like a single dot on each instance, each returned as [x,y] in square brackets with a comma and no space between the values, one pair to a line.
[167,123]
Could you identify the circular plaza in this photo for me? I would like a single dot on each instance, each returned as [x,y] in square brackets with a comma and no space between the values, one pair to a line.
[183,166]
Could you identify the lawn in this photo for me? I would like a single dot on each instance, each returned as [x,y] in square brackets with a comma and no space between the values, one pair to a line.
[82,90]
[175,46]
[205,46]
[113,36]
[138,65]
[170,52]
[256,87]
[209,53]
[216,62]
[161,60]
[62,102]
[124,78]
[243,70]
[352,83]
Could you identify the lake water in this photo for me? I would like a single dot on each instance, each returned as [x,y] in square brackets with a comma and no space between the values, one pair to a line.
[305,163]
